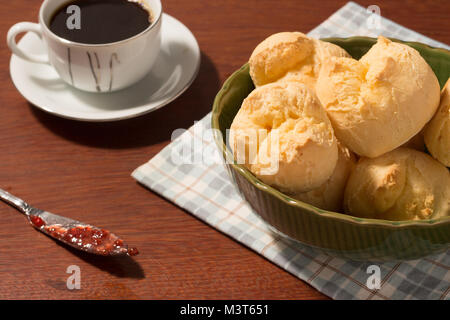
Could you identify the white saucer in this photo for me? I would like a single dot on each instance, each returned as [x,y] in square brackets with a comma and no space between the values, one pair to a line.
[174,71]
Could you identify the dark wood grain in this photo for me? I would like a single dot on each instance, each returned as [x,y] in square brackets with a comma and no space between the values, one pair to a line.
[82,170]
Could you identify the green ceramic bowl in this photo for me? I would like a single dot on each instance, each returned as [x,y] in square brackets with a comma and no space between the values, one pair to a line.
[335,233]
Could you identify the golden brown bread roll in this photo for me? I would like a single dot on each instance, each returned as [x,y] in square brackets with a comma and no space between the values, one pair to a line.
[290,56]
[378,103]
[437,132]
[293,129]
[330,195]
[403,184]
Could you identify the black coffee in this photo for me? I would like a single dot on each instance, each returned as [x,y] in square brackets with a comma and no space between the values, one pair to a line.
[100,21]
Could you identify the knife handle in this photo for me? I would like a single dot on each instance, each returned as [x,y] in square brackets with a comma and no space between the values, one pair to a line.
[14,201]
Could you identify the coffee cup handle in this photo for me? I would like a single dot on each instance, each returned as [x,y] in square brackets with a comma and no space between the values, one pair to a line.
[22,27]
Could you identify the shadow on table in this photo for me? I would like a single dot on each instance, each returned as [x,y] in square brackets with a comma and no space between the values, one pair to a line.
[120,266]
[148,129]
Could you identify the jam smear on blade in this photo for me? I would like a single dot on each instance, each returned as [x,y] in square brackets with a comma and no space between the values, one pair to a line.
[36,221]
[99,241]
[132,251]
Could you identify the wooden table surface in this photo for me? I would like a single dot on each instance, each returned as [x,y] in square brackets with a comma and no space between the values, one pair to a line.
[82,170]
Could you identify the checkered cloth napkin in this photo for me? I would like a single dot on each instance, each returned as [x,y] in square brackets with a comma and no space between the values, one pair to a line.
[190,173]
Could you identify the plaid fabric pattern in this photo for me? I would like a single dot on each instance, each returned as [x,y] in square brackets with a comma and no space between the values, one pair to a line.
[190,173]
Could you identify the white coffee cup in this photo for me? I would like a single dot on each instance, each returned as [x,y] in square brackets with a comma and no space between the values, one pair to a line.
[93,67]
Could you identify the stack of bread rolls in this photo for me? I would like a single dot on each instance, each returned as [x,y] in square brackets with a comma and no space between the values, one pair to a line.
[348,135]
